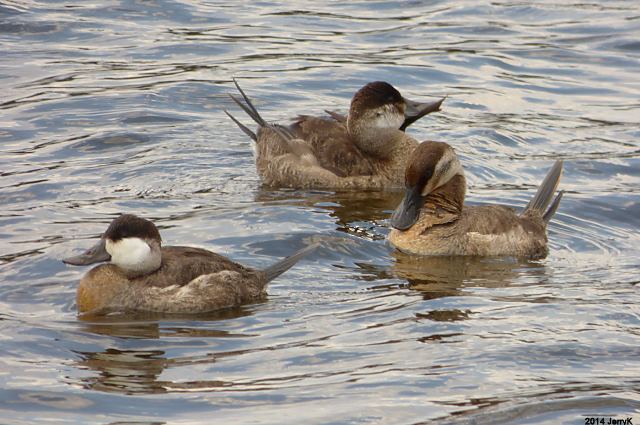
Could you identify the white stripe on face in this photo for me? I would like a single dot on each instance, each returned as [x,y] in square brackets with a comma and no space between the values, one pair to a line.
[446,168]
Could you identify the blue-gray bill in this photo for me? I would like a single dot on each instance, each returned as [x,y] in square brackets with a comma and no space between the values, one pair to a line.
[408,211]
[416,110]
[96,254]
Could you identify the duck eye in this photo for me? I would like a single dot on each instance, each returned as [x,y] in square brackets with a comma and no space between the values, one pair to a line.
[378,114]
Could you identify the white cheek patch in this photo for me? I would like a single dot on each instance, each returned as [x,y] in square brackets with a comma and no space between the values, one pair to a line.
[128,253]
[388,118]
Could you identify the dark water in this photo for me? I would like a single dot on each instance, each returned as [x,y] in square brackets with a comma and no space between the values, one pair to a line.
[112,106]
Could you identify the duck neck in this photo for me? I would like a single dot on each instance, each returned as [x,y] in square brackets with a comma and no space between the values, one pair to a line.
[377,142]
[449,197]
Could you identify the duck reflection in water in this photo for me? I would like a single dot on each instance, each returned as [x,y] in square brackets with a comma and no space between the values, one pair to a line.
[361,214]
[138,371]
[435,278]
[447,276]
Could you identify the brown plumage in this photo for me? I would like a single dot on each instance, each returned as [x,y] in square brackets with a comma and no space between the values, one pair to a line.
[367,149]
[143,276]
[432,219]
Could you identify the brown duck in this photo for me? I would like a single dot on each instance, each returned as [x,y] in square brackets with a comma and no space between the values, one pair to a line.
[367,149]
[432,219]
[143,276]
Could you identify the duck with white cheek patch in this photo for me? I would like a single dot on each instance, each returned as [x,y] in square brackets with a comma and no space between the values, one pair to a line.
[142,275]
[432,219]
[367,149]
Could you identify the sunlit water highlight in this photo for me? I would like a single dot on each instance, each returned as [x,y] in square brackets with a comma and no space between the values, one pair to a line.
[117,106]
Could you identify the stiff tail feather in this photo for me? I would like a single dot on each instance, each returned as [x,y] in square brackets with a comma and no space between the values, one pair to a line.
[248,108]
[251,110]
[285,264]
[552,209]
[544,195]
[336,116]
[243,127]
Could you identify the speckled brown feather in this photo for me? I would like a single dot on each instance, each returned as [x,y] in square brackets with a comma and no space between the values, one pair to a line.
[294,163]
[445,226]
[335,150]
[471,230]
[325,152]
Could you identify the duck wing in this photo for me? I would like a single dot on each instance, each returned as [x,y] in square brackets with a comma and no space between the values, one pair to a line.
[332,145]
[182,264]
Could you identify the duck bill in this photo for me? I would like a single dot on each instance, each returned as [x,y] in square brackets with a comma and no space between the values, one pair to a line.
[408,211]
[413,111]
[96,254]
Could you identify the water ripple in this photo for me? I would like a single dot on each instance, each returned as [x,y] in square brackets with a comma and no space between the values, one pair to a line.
[111,107]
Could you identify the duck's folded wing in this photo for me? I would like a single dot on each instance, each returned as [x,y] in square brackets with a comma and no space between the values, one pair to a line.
[183,264]
[297,172]
[207,292]
[500,220]
[332,145]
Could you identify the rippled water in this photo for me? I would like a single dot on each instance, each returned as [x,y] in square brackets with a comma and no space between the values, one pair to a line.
[115,106]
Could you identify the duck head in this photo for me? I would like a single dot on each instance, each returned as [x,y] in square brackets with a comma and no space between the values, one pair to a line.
[432,165]
[378,108]
[131,243]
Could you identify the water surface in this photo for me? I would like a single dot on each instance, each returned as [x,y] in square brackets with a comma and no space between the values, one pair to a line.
[116,106]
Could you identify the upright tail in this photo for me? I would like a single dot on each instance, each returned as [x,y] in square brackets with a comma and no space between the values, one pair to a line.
[544,195]
[285,264]
[243,127]
[251,110]
[552,209]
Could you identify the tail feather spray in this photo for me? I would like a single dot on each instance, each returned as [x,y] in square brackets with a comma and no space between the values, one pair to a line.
[544,195]
[243,127]
[248,107]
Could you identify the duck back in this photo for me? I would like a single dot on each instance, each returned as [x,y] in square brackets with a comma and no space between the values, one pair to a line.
[332,145]
[182,264]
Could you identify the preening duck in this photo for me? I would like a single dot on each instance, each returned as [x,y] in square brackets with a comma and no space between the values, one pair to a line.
[432,219]
[367,149]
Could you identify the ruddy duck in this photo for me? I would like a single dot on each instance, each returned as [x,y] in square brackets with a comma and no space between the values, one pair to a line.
[433,220]
[368,149]
[144,276]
